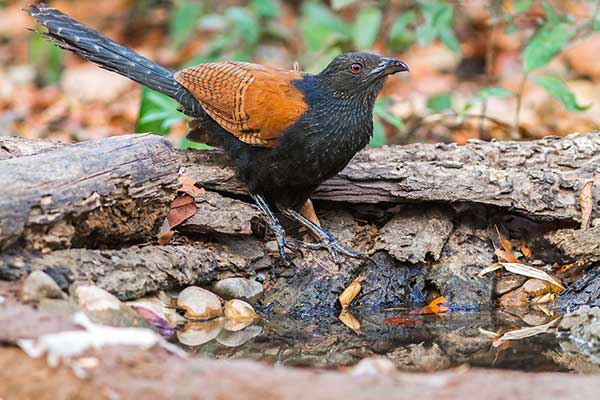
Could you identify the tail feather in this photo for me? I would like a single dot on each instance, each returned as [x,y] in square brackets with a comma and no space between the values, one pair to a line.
[91,45]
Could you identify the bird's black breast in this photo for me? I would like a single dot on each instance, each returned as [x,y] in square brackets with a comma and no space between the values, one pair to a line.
[315,148]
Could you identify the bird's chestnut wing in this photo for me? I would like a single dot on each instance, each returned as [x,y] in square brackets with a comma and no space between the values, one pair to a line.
[253,102]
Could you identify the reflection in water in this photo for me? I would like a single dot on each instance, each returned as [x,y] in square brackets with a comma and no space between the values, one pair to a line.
[417,343]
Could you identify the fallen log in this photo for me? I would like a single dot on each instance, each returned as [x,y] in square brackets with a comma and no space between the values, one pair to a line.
[112,190]
[539,179]
[136,271]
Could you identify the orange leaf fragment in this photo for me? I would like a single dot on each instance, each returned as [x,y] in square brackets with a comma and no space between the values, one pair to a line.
[435,307]
[506,256]
[188,185]
[182,208]
[524,249]
[506,244]
[165,238]
[350,292]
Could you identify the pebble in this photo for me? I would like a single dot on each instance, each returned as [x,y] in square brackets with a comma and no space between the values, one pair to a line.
[516,298]
[197,333]
[39,285]
[239,288]
[239,310]
[507,283]
[199,304]
[238,338]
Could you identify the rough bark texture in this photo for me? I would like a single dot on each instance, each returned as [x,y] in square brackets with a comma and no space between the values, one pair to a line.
[539,179]
[135,271]
[109,190]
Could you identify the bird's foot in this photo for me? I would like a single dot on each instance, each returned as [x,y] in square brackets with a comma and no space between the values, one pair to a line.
[283,243]
[335,248]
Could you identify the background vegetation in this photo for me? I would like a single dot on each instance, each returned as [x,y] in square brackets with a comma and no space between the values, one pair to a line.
[480,69]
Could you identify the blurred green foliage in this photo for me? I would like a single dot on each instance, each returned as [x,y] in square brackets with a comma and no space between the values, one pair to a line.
[236,32]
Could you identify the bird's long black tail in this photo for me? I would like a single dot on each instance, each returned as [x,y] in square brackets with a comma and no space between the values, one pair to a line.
[78,38]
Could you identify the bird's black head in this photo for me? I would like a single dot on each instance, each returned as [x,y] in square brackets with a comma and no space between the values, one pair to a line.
[359,75]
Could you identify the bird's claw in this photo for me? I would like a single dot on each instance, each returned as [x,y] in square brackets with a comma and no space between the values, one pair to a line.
[335,247]
[283,243]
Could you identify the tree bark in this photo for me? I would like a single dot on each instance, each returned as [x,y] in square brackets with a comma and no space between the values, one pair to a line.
[540,179]
[111,190]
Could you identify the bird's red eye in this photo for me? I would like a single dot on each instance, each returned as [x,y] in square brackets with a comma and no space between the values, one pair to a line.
[356,68]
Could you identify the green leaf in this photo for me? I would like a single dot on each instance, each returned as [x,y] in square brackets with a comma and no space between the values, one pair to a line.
[438,23]
[321,28]
[366,27]
[426,34]
[339,4]
[545,44]
[321,15]
[439,102]
[493,91]
[381,111]
[521,6]
[157,114]
[400,36]
[551,15]
[46,58]
[245,24]
[266,8]
[184,17]
[449,40]
[188,144]
[558,89]
[378,139]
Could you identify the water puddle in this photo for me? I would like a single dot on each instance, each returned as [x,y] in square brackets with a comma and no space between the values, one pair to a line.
[413,343]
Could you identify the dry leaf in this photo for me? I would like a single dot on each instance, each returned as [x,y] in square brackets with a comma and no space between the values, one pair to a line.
[524,249]
[532,272]
[349,320]
[506,256]
[350,292]
[586,203]
[435,307]
[529,331]
[506,244]
[545,298]
[182,208]
[188,185]
[491,268]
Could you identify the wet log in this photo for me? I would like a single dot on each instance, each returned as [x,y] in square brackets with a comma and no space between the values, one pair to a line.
[111,190]
[539,179]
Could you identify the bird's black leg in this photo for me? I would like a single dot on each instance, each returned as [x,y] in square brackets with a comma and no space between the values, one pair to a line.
[326,239]
[275,227]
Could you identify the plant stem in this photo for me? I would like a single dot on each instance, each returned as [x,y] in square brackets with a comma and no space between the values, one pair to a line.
[516,133]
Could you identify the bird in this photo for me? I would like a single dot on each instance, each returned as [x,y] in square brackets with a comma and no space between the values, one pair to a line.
[284,131]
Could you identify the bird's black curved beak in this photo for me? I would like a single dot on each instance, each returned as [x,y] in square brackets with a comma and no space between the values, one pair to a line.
[388,66]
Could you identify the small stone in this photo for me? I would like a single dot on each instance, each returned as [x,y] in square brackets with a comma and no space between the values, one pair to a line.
[197,333]
[238,338]
[535,318]
[199,303]
[508,283]
[239,288]
[372,366]
[239,310]
[39,285]
[537,287]
[92,298]
[516,298]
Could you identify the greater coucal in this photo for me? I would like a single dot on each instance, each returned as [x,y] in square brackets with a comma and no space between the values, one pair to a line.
[285,132]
